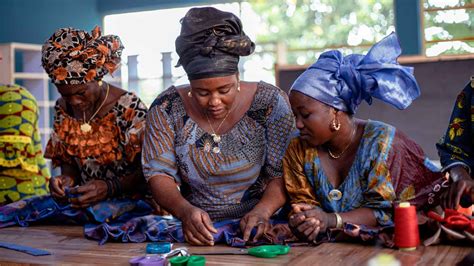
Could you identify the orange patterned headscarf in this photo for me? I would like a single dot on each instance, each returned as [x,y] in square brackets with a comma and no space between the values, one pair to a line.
[72,56]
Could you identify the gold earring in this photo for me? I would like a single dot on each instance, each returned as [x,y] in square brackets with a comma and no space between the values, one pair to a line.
[335,126]
[190,95]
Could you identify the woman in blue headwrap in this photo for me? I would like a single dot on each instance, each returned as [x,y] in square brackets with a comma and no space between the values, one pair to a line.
[341,170]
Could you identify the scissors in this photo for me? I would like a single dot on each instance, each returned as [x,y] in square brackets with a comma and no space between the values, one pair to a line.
[266,251]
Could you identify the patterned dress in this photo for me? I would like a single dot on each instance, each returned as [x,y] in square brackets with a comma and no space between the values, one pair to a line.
[388,167]
[111,150]
[23,170]
[457,146]
[230,183]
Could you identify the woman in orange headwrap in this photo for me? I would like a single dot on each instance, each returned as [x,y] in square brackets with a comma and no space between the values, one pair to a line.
[97,127]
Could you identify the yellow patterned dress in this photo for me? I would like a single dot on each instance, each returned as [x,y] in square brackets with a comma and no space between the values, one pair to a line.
[388,167]
[23,171]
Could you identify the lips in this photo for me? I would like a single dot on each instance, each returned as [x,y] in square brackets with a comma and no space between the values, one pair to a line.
[303,135]
[216,112]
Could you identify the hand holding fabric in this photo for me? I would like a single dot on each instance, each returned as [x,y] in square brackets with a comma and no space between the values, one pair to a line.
[89,193]
[197,226]
[58,184]
[308,221]
[463,185]
[254,219]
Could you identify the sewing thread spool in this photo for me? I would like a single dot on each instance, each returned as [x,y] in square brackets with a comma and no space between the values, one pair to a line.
[407,236]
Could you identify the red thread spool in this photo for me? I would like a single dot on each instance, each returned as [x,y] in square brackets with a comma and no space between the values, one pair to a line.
[407,236]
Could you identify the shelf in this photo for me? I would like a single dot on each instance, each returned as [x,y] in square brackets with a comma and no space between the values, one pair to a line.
[45,130]
[46,103]
[25,75]
[25,46]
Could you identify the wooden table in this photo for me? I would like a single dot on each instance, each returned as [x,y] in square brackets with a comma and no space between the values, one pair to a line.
[68,246]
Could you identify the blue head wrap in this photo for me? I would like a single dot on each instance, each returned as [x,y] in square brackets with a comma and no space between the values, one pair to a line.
[343,82]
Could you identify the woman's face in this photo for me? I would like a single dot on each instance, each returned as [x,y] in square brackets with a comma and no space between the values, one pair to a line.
[313,118]
[80,96]
[215,96]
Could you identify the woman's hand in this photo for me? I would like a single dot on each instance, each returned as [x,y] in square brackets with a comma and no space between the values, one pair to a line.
[88,194]
[58,184]
[308,221]
[197,226]
[255,218]
[463,185]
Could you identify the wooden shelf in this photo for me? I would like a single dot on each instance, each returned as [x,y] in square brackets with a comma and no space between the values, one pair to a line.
[33,78]
[25,75]
[25,46]
[46,103]
[45,130]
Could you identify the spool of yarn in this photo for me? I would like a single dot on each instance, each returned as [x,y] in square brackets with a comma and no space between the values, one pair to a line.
[148,261]
[158,247]
[407,236]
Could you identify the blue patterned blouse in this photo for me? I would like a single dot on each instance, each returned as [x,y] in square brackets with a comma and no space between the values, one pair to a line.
[230,183]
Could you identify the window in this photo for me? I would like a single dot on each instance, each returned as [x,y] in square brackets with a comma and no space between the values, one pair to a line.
[287,32]
[149,39]
[448,27]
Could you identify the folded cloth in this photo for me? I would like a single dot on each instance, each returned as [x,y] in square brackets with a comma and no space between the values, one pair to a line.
[44,209]
[165,228]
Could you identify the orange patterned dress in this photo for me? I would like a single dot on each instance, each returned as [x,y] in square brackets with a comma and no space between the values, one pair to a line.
[110,150]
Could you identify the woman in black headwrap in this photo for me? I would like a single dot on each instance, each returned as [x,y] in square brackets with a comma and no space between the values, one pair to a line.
[219,140]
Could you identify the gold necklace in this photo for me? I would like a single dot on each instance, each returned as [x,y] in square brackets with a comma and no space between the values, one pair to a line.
[86,126]
[215,137]
[334,156]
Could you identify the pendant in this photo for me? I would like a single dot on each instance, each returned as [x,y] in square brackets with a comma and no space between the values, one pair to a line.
[207,147]
[335,194]
[86,127]
[216,138]
[216,150]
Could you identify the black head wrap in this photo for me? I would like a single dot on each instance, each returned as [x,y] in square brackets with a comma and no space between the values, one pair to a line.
[211,42]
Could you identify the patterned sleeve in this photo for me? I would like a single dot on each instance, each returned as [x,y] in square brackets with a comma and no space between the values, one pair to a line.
[379,193]
[456,146]
[158,155]
[279,128]
[297,185]
[132,122]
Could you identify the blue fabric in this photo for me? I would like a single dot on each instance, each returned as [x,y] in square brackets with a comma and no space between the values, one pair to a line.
[343,82]
[45,209]
[25,249]
[123,220]
[166,229]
